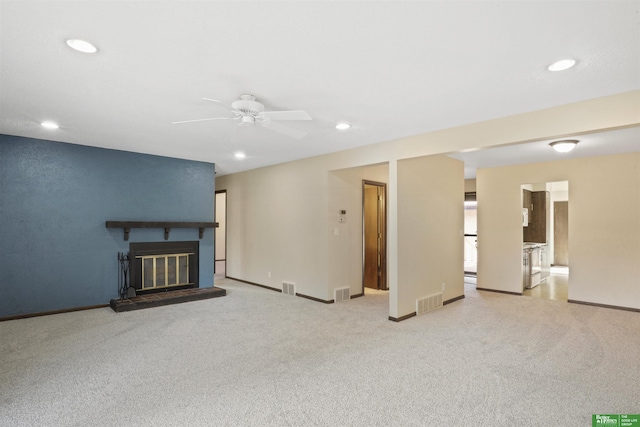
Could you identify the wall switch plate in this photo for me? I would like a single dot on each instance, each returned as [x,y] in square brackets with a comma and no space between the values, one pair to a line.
[336,231]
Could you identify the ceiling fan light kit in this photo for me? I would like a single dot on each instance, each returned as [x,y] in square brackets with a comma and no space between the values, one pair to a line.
[251,112]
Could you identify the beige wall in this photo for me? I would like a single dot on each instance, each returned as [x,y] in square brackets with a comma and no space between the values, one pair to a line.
[280,219]
[345,249]
[430,229]
[604,226]
[469,185]
[277,223]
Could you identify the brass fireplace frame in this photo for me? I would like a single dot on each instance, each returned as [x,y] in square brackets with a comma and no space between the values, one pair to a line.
[165,266]
[159,262]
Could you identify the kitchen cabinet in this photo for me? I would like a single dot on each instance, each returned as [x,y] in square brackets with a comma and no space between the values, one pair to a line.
[539,216]
[526,207]
[526,200]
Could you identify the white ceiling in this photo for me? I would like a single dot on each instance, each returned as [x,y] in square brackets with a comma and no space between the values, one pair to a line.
[391,68]
[597,144]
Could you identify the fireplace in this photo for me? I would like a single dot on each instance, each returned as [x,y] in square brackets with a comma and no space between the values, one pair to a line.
[163,266]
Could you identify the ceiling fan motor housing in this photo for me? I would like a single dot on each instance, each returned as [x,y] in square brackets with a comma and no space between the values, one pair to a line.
[248,105]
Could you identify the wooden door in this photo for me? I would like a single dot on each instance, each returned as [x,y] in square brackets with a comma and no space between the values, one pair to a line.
[374,235]
[561,233]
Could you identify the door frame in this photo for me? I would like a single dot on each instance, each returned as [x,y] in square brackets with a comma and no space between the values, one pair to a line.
[383,283]
[215,211]
[470,196]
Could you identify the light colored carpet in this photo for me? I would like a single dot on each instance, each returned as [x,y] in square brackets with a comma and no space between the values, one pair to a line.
[260,358]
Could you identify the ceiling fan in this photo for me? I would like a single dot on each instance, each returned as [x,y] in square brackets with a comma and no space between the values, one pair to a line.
[250,112]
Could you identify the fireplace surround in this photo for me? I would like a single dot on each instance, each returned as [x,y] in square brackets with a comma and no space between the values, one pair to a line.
[161,273]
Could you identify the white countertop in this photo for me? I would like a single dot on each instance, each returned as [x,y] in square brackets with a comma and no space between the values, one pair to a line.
[532,245]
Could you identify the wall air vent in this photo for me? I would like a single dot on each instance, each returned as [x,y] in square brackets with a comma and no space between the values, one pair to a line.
[341,294]
[428,303]
[288,288]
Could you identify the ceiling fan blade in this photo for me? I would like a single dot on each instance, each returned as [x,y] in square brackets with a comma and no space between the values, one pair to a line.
[286,130]
[203,120]
[222,104]
[286,115]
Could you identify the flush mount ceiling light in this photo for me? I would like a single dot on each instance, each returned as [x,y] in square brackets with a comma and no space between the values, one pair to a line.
[81,46]
[565,145]
[562,65]
[49,125]
[343,126]
[240,155]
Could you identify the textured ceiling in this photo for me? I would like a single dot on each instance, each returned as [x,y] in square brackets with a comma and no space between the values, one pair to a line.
[392,69]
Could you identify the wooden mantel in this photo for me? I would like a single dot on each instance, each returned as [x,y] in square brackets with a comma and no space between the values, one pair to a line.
[167,225]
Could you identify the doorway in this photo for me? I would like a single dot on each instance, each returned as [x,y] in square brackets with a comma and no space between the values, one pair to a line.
[220,234]
[470,237]
[374,225]
[545,232]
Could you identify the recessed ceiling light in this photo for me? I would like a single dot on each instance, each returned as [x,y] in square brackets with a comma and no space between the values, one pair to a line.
[565,145]
[562,65]
[343,126]
[49,125]
[82,46]
[240,155]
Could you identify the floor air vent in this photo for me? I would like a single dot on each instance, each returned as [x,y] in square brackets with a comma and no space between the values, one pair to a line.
[429,303]
[288,288]
[342,294]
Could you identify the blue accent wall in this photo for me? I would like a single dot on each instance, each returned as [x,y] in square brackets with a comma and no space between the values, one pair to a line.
[55,251]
